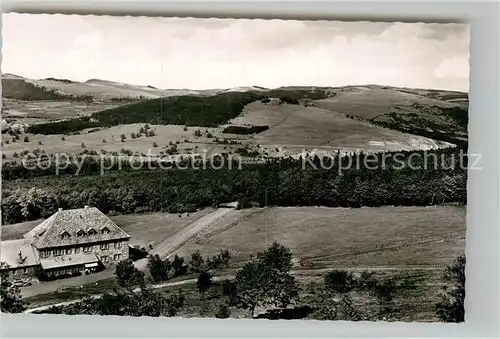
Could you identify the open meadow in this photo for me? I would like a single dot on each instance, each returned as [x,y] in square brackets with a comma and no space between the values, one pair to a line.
[321,237]
[185,140]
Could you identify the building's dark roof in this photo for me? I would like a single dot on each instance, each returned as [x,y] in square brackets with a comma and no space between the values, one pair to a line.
[51,232]
[68,260]
[9,253]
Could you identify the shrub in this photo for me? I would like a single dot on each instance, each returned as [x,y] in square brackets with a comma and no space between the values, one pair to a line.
[178,266]
[451,307]
[137,253]
[340,281]
[196,263]
[26,139]
[228,288]
[204,282]
[127,275]
[155,144]
[223,312]
[158,268]
[289,100]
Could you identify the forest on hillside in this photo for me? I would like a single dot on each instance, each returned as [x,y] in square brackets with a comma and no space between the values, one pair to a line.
[344,182]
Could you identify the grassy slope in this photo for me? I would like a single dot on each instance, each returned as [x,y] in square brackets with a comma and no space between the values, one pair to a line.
[109,139]
[23,90]
[321,236]
[440,115]
[318,236]
[296,127]
[100,90]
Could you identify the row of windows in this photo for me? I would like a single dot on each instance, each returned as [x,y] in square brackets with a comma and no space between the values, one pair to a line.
[104,258]
[21,271]
[76,250]
[64,271]
[80,234]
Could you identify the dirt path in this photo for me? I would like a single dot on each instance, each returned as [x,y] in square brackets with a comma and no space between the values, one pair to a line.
[157,286]
[167,247]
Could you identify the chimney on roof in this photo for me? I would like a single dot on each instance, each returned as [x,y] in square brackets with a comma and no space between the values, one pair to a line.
[86,206]
[60,209]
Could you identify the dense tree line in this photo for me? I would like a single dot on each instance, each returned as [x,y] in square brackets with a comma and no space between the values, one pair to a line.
[64,126]
[188,110]
[245,129]
[285,182]
[439,123]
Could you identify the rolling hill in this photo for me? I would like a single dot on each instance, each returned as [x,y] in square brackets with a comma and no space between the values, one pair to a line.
[293,128]
[436,114]
[368,117]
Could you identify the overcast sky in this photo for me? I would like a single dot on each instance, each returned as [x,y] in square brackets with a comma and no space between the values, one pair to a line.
[222,53]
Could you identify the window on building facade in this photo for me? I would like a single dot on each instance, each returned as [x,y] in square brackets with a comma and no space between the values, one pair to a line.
[117,256]
[92,232]
[26,270]
[68,251]
[57,252]
[80,233]
[118,244]
[104,246]
[105,230]
[77,250]
[104,258]
[87,249]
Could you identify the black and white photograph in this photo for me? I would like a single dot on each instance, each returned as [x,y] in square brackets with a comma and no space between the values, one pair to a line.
[234,168]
